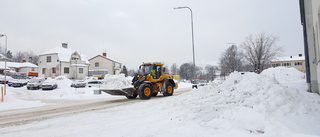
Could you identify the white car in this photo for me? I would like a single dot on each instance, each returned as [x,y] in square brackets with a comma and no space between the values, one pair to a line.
[35,83]
[49,85]
[79,83]
[95,83]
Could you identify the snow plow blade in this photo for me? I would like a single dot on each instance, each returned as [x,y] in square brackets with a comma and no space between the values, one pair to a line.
[123,92]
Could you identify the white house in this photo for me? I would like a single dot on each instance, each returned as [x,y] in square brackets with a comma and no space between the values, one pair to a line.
[101,62]
[63,61]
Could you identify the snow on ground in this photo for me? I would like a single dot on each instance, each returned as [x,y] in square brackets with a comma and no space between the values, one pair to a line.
[272,104]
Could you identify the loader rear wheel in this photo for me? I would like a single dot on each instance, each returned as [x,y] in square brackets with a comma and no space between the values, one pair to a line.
[145,91]
[169,89]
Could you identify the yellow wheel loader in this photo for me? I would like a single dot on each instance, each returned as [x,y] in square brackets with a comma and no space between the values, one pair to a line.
[150,81]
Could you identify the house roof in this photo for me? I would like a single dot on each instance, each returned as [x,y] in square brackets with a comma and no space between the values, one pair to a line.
[104,58]
[290,58]
[64,54]
[17,65]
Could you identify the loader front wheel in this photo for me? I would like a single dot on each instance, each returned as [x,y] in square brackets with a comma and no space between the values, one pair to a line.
[169,89]
[145,91]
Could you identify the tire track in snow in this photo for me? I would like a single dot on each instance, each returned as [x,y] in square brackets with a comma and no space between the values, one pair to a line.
[67,108]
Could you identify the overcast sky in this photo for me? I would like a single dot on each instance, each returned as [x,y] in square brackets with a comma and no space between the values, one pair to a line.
[136,31]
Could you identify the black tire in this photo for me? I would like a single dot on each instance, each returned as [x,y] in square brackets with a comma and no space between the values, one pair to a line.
[145,91]
[132,97]
[154,94]
[169,89]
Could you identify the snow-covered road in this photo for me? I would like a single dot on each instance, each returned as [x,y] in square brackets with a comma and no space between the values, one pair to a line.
[66,108]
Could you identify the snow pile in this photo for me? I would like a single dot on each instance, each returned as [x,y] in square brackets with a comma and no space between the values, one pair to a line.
[117,82]
[63,82]
[253,103]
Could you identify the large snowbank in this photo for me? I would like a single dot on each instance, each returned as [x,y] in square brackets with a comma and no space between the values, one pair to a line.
[254,104]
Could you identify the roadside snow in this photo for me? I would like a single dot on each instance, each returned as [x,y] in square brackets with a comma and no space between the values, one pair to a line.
[274,103]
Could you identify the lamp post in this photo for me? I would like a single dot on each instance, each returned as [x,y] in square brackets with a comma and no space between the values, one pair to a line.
[5,65]
[194,63]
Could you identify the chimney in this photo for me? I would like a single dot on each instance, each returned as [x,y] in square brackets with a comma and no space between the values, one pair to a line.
[104,54]
[300,55]
[65,45]
[23,60]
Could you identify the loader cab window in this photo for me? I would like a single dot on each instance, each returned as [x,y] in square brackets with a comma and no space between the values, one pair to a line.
[145,70]
[158,72]
[154,70]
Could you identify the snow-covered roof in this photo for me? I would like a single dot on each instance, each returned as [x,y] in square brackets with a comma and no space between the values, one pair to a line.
[17,65]
[64,54]
[290,58]
[104,58]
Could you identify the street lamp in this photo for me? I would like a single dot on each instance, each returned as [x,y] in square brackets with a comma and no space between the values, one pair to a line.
[194,63]
[5,65]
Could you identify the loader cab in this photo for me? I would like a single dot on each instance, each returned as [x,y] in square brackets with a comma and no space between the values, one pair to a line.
[146,69]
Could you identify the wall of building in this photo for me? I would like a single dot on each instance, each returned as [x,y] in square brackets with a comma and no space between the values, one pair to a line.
[312,8]
[292,64]
[104,63]
[48,66]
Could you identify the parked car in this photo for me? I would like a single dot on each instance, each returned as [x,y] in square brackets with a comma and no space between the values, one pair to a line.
[79,83]
[94,83]
[202,83]
[195,83]
[19,83]
[49,85]
[35,83]
[10,82]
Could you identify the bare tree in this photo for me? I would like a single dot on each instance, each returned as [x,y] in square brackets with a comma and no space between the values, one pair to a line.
[259,50]
[132,72]
[174,69]
[29,56]
[186,71]
[210,72]
[230,60]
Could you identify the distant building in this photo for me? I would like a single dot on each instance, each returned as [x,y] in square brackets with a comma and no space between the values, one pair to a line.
[24,67]
[102,63]
[297,62]
[63,61]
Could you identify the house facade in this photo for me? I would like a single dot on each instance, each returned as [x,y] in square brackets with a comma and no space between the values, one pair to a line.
[101,62]
[62,61]
[297,62]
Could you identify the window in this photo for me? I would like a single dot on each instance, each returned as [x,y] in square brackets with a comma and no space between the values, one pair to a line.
[53,70]
[32,69]
[286,64]
[66,70]
[48,58]
[298,63]
[275,64]
[96,64]
[81,70]
[43,70]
